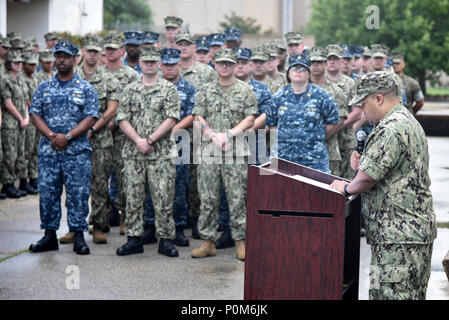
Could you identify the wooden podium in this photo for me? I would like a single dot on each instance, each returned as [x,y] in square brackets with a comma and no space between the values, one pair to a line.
[302,237]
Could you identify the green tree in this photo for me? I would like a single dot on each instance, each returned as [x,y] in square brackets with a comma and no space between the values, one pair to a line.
[128,12]
[419,28]
[247,25]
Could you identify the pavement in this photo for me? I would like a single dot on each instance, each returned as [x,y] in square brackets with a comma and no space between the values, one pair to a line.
[150,276]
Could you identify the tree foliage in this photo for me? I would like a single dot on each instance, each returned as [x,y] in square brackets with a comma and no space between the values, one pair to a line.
[418,28]
[128,12]
[247,25]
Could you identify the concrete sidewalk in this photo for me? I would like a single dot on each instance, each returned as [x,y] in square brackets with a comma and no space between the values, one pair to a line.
[104,275]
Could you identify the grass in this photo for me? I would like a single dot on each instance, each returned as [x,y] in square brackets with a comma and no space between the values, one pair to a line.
[443,225]
[437,91]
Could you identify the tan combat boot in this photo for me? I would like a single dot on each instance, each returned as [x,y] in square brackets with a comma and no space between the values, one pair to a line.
[240,249]
[67,238]
[122,223]
[99,236]
[206,249]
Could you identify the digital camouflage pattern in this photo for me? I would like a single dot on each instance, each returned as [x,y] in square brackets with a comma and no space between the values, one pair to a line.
[125,75]
[145,110]
[399,271]
[13,165]
[32,135]
[107,88]
[199,74]
[398,209]
[223,111]
[413,91]
[301,121]
[276,84]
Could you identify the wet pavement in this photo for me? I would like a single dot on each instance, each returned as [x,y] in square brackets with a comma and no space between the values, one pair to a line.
[104,275]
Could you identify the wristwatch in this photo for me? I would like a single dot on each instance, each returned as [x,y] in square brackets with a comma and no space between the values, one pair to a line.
[68,136]
[150,141]
[347,194]
[92,130]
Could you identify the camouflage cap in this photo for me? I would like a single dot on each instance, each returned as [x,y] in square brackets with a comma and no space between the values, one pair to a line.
[114,40]
[46,55]
[225,55]
[217,39]
[170,56]
[202,44]
[317,54]
[14,35]
[31,58]
[334,50]
[172,21]
[379,50]
[367,52]
[17,43]
[272,50]
[28,46]
[280,44]
[67,47]
[299,59]
[293,38]
[150,37]
[14,56]
[184,35]
[356,51]
[92,42]
[397,57]
[5,42]
[32,40]
[346,51]
[152,53]
[133,37]
[259,53]
[371,83]
[51,36]
[233,34]
[243,53]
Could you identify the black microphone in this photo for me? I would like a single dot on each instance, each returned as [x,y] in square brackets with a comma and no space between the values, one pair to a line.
[360,136]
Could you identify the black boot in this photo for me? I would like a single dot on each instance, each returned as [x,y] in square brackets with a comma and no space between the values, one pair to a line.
[149,234]
[181,239]
[11,191]
[25,186]
[225,240]
[195,232]
[47,243]
[167,248]
[33,183]
[114,217]
[79,244]
[133,246]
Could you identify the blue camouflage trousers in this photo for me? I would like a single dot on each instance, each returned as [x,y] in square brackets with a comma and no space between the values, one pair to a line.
[73,172]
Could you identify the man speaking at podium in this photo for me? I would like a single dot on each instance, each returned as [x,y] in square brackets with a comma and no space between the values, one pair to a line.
[393,175]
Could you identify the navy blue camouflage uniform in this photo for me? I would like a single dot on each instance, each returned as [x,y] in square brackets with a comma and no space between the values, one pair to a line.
[63,105]
[301,123]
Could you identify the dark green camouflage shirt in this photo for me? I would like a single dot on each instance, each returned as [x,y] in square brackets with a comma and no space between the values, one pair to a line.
[398,209]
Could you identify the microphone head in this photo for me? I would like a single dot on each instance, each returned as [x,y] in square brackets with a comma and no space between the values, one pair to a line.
[361,135]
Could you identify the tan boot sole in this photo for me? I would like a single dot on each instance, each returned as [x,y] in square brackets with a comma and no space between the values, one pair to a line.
[67,238]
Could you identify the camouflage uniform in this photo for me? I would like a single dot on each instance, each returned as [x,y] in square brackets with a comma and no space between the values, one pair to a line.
[62,109]
[32,135]
[223,111]
[198,75]
[125,75]
[14,165]
[41,75]
[400,221]
[107,88]
[145,110]
[301,121]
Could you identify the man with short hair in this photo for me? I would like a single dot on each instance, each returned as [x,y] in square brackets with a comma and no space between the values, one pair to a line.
[147,114]
[47,61]
[367,60]
[150,39]
[63,109]
[216,41]
[276,80]
[357,60]
[172,27]
[202,50]
[393,177]
[51,39]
